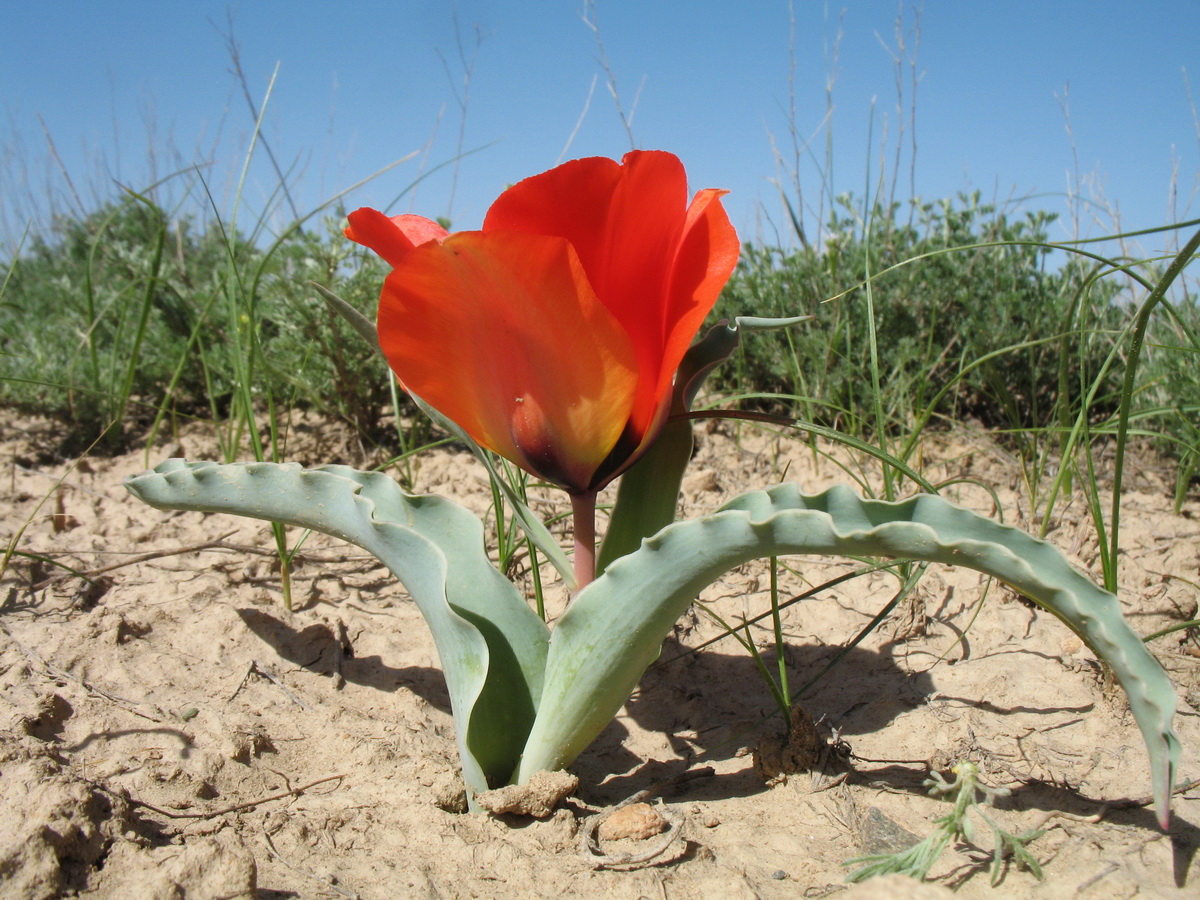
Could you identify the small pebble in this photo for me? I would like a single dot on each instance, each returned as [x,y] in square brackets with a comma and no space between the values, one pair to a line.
[1071,645]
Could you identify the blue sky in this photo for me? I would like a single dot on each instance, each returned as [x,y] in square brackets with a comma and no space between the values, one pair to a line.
[117,85]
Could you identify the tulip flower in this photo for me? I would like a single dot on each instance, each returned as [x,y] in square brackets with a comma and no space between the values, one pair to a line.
[552,335]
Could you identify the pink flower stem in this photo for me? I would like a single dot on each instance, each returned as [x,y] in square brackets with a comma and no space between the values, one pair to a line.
[583,510]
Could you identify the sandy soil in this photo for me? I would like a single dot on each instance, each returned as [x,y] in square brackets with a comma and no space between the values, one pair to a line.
[170,730]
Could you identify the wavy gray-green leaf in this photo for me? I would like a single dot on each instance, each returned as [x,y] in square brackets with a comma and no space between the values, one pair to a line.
[492,645]
[614,628]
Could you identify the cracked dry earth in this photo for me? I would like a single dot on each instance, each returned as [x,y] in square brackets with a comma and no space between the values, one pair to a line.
[168,729]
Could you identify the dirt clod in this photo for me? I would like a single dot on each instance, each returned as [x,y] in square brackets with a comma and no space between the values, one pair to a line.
[634,822]
[778,756]
[537,797]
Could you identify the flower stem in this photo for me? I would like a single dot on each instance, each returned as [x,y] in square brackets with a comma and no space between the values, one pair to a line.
[583,510]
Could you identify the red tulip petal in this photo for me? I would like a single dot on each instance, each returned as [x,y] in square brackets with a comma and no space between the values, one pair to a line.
[625,222]
[648,215]
[646,219]
[391,237]
[502,333]
[570,201]
[706,256]
[622,219]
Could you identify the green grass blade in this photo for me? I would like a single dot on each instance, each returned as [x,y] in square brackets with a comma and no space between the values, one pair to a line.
[1127,390]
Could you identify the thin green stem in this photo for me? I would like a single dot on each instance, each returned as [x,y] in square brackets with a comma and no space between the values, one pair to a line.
[1127,387]
[1180,626]
[539,596]
[906,588]
[777,621]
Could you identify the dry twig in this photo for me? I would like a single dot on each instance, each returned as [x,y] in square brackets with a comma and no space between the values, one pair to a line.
[257,668]
[54,672]
[212,814]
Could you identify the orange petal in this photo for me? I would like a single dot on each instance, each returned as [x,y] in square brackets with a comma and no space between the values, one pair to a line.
[391,237]
[503,334]
[570,201]
[622,219]
[704,259]
[625,222]
[646,219]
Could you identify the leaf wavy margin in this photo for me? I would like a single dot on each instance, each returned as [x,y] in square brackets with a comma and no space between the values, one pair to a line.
[647,590]
[491,644]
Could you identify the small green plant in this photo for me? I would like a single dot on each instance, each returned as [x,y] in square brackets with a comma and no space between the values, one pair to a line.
[969,795]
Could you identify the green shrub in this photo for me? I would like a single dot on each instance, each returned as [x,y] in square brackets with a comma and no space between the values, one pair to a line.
[123,315]
[937,310]
[99,313]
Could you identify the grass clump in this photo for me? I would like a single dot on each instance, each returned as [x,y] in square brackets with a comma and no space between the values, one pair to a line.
[125,316]
[97,313]
[1172,392]
[960,283]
